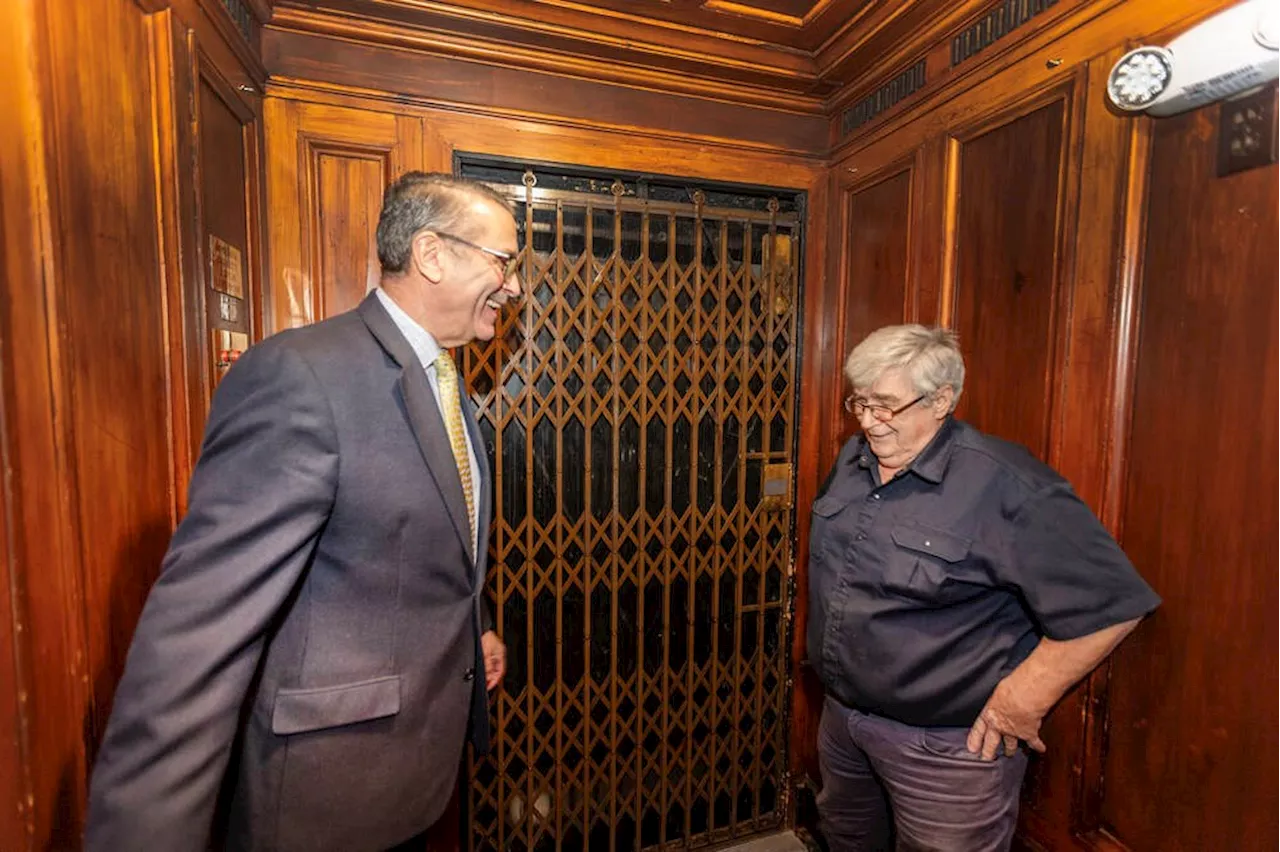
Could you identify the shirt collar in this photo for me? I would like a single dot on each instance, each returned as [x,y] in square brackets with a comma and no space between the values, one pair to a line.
[423,344]
[931,464]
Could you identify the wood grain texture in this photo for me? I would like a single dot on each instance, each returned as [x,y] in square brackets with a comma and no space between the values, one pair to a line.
[434,80]
[1192,752]
[114,374]
[31,501]
[874,274]
[596,45]
[878,233]
[819,370]
[328,167]
[94,407]
[1005,280]
[98,213]
[229,178]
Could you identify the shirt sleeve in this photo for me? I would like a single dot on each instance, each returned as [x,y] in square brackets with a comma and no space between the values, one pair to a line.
[1072,574]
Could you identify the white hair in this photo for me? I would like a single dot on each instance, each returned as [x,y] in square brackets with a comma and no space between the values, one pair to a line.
[930,357]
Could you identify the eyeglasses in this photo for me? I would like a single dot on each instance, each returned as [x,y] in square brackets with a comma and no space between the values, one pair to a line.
[510,262]
[883,413]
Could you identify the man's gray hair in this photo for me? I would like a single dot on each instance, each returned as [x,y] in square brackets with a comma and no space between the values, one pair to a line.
[420,201]
[930,356]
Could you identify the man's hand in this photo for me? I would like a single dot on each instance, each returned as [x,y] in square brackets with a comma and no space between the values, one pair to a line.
[1008,716]
[495,659]
[1020,701]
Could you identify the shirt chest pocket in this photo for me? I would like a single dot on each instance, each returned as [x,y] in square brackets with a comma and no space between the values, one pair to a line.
[923,561]
[826,534]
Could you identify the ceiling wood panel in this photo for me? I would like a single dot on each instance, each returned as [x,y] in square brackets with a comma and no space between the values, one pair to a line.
[801,56]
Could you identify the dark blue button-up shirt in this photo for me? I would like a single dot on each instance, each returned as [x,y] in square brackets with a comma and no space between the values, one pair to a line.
[926,590]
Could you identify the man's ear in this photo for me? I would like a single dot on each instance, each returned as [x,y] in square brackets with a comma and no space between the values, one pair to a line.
[427,256]
[942,399]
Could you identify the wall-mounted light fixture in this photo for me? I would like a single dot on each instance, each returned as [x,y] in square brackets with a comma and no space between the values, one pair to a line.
[1233,52]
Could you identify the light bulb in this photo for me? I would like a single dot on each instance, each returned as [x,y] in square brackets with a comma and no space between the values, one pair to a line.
[1139,77]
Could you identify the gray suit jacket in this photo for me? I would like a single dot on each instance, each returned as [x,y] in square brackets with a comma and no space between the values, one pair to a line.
[309,659]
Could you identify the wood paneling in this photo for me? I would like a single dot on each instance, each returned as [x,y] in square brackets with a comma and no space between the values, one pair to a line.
[1192,759]
[413,73]
[771,49]
[172,74]
[330,166]
[98,214]
[348,197]
[230,184]
[588,45]
[111,298]
[1005,278]
[31,498]
[85,387]
[875,261]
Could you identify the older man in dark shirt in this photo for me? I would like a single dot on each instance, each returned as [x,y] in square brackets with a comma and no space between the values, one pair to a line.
[958,587]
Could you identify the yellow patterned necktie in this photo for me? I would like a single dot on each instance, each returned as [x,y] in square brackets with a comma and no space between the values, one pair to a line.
[447,379]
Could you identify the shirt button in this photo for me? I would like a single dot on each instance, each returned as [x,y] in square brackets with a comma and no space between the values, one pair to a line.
[861,536]
[469,675]
[875,496]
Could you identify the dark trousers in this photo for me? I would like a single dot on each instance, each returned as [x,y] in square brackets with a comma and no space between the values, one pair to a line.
[879,774]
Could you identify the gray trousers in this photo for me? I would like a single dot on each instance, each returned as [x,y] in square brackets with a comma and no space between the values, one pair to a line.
[879,774]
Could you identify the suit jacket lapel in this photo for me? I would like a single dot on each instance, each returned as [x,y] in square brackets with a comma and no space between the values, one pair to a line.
[423,415]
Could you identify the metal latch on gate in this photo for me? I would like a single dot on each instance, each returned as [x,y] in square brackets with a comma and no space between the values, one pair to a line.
[775,259]
[775,491]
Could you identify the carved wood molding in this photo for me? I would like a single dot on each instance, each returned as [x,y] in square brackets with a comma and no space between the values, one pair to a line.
[562,51]
[812,59]
[327,93]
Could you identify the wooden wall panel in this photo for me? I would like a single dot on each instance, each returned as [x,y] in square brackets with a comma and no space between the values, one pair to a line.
[226,130]
[88,396]
[1192,758]
[27,440]
[515,94]
[112,339]
[348,198]
[875,287]
[329,167]
[1006,278]
[99,211]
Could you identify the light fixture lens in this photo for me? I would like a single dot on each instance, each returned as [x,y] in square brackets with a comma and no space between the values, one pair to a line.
[1266,31]
[1139,77]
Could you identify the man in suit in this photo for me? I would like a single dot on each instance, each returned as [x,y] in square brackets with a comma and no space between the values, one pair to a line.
[304,672]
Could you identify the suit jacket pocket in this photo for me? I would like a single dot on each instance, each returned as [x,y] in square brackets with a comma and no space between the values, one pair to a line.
[299,710]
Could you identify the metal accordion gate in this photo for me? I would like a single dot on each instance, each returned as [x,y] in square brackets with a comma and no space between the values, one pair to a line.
[639,410]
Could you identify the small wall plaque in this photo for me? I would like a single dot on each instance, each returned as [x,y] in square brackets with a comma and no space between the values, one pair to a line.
[1247,132]
[228,308]
[225,270]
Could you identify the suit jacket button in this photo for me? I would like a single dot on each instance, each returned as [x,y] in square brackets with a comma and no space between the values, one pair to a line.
[469,674]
